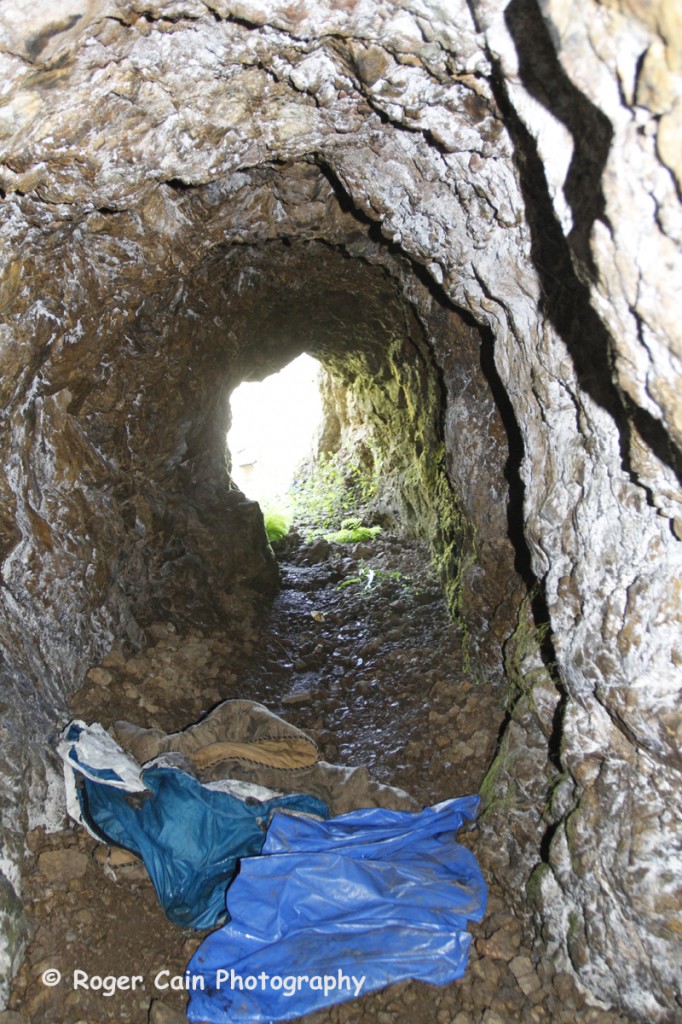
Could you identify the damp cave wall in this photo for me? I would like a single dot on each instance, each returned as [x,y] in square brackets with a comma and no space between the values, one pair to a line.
[514,171]
[128,467]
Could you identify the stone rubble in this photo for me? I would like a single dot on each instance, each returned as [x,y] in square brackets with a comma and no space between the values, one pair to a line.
[194,191]
[373,671]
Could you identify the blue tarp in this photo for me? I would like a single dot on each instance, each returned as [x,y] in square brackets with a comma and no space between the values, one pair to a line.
[189,835]
[340,908]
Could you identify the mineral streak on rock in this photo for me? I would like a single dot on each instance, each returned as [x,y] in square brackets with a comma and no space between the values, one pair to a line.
[480,203]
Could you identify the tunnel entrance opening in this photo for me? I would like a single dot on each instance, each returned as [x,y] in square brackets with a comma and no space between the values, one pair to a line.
[275,427]
[359,648]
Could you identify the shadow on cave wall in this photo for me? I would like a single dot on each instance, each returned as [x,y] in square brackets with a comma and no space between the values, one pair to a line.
[565,265]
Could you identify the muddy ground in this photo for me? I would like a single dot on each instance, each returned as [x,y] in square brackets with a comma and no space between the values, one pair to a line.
[359,651]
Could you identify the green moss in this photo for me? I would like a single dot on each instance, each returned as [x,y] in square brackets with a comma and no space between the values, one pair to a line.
[534,886]
[454,549]
[493,793]
[337,484]
[525,665]
[353,534]
[392,463]
[276,525]
[573,930]
[371,578]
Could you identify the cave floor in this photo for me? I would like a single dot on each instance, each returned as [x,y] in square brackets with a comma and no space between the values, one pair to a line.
[359,651]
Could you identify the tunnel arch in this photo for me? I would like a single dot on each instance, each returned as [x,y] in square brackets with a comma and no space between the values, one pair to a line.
[407,142]
[266,304]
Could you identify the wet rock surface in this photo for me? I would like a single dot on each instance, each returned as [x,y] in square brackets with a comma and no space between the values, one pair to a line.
[359,650]
[192,192]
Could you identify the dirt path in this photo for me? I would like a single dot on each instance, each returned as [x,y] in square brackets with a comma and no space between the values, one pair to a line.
[358,650]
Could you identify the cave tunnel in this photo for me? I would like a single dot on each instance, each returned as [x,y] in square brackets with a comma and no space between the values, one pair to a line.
[469,214]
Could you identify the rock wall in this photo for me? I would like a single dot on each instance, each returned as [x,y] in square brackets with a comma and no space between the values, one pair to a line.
[424,412]
[182,182]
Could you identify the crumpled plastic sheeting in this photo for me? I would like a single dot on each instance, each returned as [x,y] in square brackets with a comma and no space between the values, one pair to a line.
[190,835]
[376,893]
